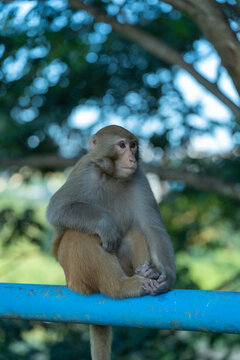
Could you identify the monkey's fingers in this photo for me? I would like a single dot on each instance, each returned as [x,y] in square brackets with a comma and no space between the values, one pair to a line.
[162,285]
[141,269]
[150,286]
[147,270]
[156,287]
[151,273]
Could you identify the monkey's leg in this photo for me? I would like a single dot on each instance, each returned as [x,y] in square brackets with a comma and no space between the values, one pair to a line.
[135,259]
[89,268]
[157,280]
[133,251]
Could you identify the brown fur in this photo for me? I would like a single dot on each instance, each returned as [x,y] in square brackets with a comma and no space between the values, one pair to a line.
[107,225]
[117,131]
[90,269]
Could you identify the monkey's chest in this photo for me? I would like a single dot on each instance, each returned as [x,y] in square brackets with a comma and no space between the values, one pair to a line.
[117,206]
[113,197]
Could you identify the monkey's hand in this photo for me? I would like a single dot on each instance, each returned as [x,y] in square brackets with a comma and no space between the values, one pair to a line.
[156,282]
[147,270]
[109,233]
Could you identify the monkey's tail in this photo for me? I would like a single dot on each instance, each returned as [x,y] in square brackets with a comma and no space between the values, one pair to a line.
[101,339]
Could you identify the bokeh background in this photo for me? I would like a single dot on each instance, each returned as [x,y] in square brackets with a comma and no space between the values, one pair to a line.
[169,71]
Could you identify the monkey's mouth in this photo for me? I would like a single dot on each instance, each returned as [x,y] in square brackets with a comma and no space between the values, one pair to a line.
[132,168]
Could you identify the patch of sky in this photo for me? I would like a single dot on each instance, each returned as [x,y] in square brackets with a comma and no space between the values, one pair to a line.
[84,116]
[176,135]
[119,2]
[102,28]
[113,9]
[21,8]
[91,57]
[38,52]
[54,71]
[220,141]
[152,80]
[165,7]
[33,141]
[40,85]
[57,4]
[208,66]
[54,131]
[2,49]
[108,99]
[79,19]
[164,75]
[96,38]
[150,126]
[130,16]
[24,115]
[193,94]
[133,99]
[132,11]
[197,122]
[168,105]
[13,68]
[234,25]
[59,22]
[226,85]
[123,111]
[24,101]
[173,119]
[33,20]
[153,2]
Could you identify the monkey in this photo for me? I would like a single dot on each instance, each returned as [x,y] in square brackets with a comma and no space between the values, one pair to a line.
[109,234]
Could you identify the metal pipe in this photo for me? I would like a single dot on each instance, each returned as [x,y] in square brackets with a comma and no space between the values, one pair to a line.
[194,310]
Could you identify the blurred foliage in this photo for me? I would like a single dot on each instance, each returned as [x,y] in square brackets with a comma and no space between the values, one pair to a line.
[20,225]
[205,233]
[28,340]
[54,61]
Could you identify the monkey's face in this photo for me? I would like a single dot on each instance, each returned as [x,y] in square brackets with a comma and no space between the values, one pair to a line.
[125,157]
[115,151]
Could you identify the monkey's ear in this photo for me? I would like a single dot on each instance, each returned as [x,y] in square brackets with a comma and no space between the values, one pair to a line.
[93,143]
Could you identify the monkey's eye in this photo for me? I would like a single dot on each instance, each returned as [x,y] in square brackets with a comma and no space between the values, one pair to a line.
[133,145]
[122,144]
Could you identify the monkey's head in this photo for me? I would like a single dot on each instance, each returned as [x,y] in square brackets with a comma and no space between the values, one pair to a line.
[115,151]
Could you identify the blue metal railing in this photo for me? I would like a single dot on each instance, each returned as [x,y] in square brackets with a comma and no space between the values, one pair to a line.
[195,310]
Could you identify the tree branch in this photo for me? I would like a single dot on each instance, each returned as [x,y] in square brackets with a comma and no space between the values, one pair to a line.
[197,181]
[191,179]
[209,17]
[44,162]
[157,48]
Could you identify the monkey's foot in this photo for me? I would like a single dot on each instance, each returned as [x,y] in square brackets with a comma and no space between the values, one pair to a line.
[147,270]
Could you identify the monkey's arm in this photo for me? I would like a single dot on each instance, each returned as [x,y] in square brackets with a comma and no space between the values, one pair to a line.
[160,246]
[87,218]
